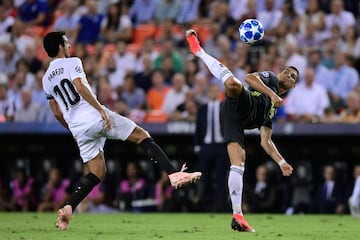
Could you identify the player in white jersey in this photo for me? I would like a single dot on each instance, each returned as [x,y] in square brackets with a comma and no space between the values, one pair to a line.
[354,201]
[76,107]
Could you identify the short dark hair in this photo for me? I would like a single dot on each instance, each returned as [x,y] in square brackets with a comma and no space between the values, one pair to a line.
[51,42]
[296,70]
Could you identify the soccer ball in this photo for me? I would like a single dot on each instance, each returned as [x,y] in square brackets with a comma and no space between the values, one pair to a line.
[251,31]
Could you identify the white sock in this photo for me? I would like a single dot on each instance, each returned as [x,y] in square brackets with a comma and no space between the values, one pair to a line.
[216,68]
[235,183]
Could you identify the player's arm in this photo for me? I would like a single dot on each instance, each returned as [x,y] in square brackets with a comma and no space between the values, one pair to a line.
[254,81]
[57,112]
[268,145]
[88,96]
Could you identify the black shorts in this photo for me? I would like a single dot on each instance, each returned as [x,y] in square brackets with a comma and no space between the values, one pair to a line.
[234,113]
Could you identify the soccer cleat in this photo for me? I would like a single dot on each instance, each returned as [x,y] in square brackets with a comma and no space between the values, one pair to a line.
[239,223]
[193,41]
[64,217]
[178,179]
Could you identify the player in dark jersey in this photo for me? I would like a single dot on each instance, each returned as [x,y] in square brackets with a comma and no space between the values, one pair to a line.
[246,109]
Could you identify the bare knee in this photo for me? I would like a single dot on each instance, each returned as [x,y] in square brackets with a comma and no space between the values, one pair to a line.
[138,135]
[236,153]
[233,86]
[97,166]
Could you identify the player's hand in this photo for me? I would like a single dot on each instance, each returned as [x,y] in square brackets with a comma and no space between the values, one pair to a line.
[286,169]
[107,123]
[278,101]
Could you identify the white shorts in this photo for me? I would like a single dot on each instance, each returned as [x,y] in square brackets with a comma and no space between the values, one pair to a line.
[93,140]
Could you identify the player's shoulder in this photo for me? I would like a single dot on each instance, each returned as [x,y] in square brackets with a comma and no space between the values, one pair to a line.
[74,60]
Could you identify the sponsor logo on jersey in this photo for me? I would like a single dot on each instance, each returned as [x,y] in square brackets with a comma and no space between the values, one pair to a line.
[265,74]
[78,69]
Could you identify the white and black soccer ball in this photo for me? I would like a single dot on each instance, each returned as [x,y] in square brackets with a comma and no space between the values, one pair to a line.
[251,31]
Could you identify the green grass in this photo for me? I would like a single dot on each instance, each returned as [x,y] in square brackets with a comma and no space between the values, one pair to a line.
[178,226]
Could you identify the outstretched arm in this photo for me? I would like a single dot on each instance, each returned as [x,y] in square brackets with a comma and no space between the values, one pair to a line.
[254,81]
[270,148]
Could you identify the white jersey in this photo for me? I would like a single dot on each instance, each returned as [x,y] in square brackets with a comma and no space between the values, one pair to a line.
[58,84]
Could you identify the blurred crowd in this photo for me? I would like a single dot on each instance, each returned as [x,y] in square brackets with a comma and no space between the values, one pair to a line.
[137,62]
[127,189]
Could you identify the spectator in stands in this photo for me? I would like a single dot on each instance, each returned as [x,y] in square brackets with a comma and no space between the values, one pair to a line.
[191,70]
[354,200]
[311,107]
[168,50]
[121,107]
[322,73]
[143,77]
[8,59]
[270,17]
[142,11]
[33,62]
[289,15]
[114,75]
[329,194]
[133,95]
[167,31]
[314,18]
[23,192]
[20,39]
[176,95]
[339,17]
[351,114]
[34,12]
[309,38]
[249,13]
[7,105]
[210,45]
[301,189]
[351,45]
[164,194]
[22,66]
[54,192]
[148,48]
[125,61]
[28,110]
[132,187]
[116,25]
[168,69]
[89,25]
[105,93]
[167,10]
[6,22]
[200,88]
[261,197]
[187,111]
[188,13]
[212,155]
[68,21]
[342,81]
[156,94]
[220,15]
[294,58]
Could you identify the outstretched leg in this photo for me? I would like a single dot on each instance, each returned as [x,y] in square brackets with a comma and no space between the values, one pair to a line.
[151,149]
[233,86]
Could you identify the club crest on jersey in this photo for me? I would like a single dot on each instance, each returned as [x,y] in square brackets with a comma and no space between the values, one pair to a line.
[78,69]
[265,74]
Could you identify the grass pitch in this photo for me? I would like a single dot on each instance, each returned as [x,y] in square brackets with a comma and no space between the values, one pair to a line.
[177,226]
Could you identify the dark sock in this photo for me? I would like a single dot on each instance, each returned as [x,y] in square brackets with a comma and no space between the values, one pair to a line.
[82,189]
[157,155]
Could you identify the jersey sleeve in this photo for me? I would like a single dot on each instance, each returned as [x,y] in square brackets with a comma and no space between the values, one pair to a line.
[46,89]
[269,79]
[76,69]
